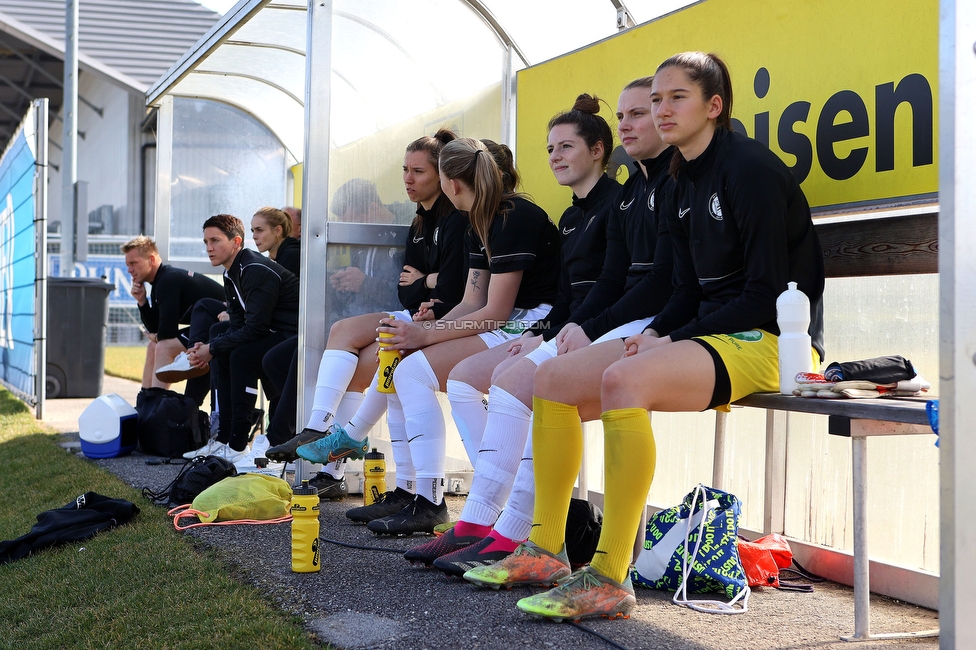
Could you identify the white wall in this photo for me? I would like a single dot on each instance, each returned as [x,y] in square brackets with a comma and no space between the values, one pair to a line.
[107,156]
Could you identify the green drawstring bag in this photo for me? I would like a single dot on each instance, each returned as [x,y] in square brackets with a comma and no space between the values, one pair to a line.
[241,499]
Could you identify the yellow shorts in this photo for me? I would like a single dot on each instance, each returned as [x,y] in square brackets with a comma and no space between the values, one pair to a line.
[751,360]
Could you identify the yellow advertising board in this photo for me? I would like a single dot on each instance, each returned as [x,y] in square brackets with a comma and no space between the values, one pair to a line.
[844,92]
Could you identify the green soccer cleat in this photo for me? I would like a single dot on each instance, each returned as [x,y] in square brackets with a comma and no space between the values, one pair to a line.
[585,594]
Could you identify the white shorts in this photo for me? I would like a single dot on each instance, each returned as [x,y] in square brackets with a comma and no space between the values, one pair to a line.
[625,330]
[402,315]
[518,322]
[545,351]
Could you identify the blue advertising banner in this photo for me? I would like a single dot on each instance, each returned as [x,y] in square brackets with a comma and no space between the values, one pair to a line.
[110,267]
[17,266]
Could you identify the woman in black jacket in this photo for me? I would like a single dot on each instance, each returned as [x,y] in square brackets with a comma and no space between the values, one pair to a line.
[741,230]
[271,231]
[432,279]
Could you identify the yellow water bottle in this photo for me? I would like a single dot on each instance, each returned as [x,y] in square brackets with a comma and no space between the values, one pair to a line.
[388,363]
[305,529]
[374,469]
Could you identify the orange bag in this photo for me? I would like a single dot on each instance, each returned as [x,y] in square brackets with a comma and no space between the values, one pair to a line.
[763,559]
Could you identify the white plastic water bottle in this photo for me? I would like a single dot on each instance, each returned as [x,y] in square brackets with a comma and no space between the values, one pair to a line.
[795,353]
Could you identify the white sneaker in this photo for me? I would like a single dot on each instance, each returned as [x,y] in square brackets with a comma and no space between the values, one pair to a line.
[205,450]
[180,370]
[259,446]
[228,453]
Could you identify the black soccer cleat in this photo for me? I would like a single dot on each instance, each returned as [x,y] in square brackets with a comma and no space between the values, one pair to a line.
[418,517]
[389,503]
[286,451]
[329,487]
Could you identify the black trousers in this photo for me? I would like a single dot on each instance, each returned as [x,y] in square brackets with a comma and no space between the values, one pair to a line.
[235,381]
[281,369]
[203,316]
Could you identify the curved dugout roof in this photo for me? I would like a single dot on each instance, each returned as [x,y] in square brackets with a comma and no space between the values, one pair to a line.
[254,58]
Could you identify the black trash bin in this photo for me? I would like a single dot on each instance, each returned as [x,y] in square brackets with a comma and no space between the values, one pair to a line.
[77,319]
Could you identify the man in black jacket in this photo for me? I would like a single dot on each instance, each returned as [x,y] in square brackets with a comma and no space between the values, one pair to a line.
[262,301]
[174,292]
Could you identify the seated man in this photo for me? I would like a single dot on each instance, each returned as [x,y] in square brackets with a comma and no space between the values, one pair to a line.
[296,220]
[174,292]
[262,301]
[364,279]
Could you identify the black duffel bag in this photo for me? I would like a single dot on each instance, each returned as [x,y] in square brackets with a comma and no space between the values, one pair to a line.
[170,424]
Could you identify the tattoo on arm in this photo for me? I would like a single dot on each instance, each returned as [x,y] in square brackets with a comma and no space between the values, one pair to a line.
[474,279]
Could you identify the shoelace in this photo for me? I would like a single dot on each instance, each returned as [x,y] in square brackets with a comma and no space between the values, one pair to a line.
[525,549]
[582,581]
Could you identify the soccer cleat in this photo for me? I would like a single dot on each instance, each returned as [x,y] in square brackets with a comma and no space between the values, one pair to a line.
[440,529]
[470,557]
[205,450]
[585,594]
[180,370]
[419,516]
[329,487]
[286,450]
[389,503]
[335,446]
[442,545]
[528,565]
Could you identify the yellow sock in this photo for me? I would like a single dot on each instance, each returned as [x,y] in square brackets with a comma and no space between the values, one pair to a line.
[629,459]
[557,450]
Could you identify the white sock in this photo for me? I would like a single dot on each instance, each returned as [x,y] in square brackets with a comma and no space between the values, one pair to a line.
[417,388]
[406,475]
[470,415]
[515,521]
[347,406]
[335,372]
[369,413]
[498,458]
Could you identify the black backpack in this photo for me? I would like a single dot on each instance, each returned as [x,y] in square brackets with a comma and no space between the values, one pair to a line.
[583,525]
[169,424]
[195,477]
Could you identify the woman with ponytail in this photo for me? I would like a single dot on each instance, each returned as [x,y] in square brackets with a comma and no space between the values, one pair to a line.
[513,250]
[741,230]
[579,146]
[432,281]
[634,284]
[271,231]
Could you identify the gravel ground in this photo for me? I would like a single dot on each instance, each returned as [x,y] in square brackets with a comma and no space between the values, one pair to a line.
[375,599]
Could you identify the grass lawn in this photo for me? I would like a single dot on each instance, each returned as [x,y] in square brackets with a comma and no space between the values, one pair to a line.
[141,585]
[125,361]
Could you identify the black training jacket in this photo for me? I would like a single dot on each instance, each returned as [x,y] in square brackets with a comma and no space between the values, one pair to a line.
[289,255]
[583,232]
[437,248]
[636,278]
[174,292]
[262,297]
[742,230]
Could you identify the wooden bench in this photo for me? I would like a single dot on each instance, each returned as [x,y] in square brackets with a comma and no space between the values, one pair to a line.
[898,245]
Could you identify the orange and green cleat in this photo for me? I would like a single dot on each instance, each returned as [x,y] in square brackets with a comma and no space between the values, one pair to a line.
[585,594]
[528,565]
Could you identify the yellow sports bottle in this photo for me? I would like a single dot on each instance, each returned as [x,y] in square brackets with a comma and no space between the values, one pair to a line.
[374,469]
[305,529]
[388,363]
